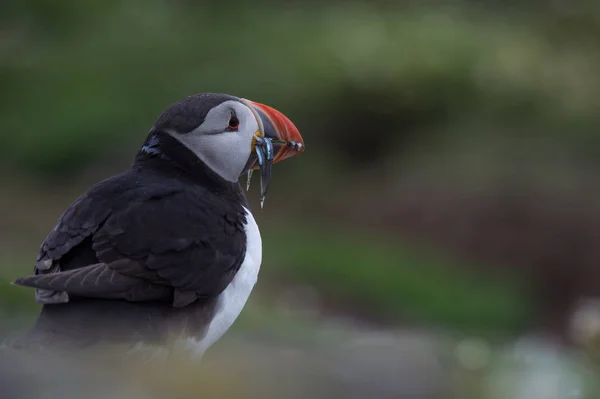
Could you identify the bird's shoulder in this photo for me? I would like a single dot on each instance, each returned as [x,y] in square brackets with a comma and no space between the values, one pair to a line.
[81,219]
[189,218]
[142,204]
[138,232]
[192,240]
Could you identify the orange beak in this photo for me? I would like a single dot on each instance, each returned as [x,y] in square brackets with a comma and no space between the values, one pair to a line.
[277,139]
[285,136]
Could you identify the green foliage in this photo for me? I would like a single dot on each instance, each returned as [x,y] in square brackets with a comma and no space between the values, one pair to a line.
[395,281]
[15,301]
[81,84]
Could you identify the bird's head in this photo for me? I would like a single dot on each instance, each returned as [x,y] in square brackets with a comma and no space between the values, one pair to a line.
[230,135]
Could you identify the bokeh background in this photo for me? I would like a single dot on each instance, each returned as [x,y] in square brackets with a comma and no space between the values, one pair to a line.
[442,228]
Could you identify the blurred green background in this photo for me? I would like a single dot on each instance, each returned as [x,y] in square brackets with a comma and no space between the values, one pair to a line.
[450,181]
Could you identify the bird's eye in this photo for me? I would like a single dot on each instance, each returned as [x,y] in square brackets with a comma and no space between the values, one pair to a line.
[234,122]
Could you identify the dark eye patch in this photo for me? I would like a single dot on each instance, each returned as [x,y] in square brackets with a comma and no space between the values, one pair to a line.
[234,123]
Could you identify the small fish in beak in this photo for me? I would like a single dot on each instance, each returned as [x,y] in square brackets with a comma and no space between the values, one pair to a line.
[277,139]
[264,153]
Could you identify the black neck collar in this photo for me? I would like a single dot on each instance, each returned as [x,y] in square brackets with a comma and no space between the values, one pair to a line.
[161,151]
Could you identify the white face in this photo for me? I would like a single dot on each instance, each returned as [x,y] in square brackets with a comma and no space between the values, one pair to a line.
[224,140]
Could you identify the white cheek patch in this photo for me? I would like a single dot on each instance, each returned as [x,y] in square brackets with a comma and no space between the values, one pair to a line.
[225,152]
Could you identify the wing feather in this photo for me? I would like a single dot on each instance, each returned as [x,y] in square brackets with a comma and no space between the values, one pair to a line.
[139,238]
[98,281]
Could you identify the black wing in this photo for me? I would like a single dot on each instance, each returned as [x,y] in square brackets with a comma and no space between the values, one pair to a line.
[66,241]
[150,240]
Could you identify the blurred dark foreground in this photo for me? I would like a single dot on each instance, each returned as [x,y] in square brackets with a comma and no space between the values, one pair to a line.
[245,370]
[322,360]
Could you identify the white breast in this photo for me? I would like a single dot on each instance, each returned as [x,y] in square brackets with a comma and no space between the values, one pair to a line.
[232,300]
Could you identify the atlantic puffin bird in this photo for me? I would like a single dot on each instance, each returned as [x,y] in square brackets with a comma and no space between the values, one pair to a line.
[169,247]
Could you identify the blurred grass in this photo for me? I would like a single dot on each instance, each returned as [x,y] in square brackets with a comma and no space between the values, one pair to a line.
[396,282]
[15,301]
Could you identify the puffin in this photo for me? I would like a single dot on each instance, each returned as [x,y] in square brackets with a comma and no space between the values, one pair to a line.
[168,249]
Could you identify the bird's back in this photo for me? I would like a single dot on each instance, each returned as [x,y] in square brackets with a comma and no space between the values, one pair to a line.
[87,320]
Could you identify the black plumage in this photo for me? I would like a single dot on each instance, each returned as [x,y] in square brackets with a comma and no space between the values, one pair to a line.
[166,237]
